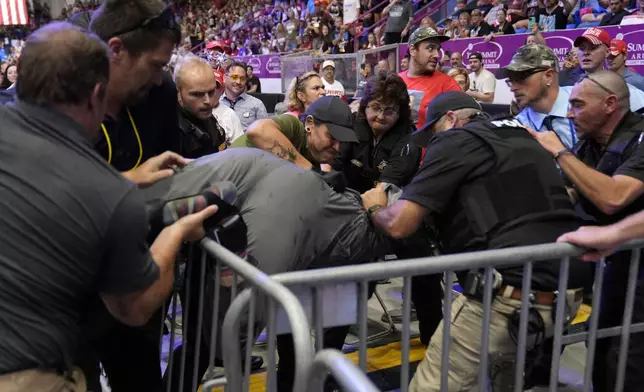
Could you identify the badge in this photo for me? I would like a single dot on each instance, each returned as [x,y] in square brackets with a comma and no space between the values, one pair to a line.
[382,165]
[356,163]
[246,114]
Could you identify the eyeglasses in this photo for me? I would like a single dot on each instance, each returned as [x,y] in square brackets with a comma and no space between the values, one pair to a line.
[165,20]
[387,112]
[521,77]
[238,79]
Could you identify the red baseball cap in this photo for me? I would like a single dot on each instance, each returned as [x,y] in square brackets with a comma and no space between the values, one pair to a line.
[595,36]
[219,77]
[617,46]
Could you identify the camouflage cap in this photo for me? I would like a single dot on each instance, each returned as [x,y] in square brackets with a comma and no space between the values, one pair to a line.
[424,33]
[530,57]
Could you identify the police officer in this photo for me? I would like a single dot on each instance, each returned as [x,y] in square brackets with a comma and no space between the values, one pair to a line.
[489,186]
[607,173]
[196,83]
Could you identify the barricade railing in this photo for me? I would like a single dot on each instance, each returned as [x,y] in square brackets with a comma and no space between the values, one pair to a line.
[213,279]
[311,286]
[297,64]
[347,375]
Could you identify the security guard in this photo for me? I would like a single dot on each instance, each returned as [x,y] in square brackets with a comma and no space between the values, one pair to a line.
[196,83]
[607,173]
[488,185]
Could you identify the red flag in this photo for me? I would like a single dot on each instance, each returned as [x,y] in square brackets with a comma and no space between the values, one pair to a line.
[13,12]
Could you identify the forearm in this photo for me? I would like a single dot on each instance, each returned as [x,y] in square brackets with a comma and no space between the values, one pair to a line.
[599,188]
[272,140]
[631,227]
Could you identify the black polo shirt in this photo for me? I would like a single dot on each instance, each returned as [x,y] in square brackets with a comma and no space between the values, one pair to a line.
[156,123]
[70,227]
[394,159]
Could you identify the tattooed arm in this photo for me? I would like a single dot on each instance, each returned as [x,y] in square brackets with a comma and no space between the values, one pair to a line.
[266,134]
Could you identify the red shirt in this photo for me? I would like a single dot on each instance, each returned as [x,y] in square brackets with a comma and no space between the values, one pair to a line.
[424,88]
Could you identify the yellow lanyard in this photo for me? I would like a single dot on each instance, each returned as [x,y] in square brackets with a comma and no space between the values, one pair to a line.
[138,139]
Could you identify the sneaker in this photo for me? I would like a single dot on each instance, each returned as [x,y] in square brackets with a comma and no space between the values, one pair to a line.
[396,315]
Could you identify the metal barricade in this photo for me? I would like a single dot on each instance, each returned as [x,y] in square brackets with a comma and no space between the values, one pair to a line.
[294,65]
[219,274]
[350,378]
[316,281]
[389,53]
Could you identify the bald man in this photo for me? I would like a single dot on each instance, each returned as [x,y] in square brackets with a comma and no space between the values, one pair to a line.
[197,97]
[607,172]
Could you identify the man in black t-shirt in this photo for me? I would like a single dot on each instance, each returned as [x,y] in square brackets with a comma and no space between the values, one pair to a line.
[480,28]
[458,183]
[553,16]
[616,14]
[252,85]
[71,227]
[606,170]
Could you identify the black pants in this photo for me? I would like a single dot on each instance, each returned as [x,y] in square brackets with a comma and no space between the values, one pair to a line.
[611,313]
[426,296]
[130,355]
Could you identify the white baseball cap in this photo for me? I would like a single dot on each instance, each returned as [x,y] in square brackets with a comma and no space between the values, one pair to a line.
[328,63]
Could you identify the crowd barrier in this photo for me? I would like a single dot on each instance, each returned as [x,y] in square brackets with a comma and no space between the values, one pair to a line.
[339,296]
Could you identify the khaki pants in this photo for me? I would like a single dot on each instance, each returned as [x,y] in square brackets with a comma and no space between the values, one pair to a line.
[465,343]
[35,380]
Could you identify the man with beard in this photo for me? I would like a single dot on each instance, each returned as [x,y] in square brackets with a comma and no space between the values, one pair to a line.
[247,107]
[606,171]
[422,79]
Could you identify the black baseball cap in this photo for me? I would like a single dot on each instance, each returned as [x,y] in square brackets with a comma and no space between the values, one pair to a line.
[437,108]
[336,115]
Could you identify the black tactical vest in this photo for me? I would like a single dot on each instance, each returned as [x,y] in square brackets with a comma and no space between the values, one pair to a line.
[523,187]
[621,146]
[198,137]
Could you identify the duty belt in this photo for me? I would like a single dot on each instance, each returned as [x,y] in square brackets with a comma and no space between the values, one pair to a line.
[546,298]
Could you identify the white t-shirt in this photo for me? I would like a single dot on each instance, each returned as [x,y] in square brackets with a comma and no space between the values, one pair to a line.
[229,121]
[335,89]
[485,82]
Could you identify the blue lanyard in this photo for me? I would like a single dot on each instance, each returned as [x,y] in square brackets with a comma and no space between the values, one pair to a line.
[573,135]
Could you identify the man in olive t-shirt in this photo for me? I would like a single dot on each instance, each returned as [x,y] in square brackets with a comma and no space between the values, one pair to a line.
[327,123]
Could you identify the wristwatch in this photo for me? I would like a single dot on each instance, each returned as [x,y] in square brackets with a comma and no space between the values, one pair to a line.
[373,209]
[560,153]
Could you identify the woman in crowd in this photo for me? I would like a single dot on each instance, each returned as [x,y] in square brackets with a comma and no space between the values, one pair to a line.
[461,77]
[9,77]
[502,26]
[463,29]
[301,93]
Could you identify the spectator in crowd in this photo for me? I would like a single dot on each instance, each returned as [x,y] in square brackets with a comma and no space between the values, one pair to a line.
[553,15]
[594,46]
[197,90]
[484,6]
[616,14]
[482,81]
[422,80]
[608,188]
[327,122]
[488,151]
[517,13]
[490,16]
[226,117]
[9,76]
[461,77]
[253,84]
[502,26]
[462,30]
[616,62]
[325,43]
[302,92]
[571,60]
[479,27]
[332,87]
[365,74]
[401,17]
[404,63]
[66,193]
[533,79]
[248,108]
[456,60]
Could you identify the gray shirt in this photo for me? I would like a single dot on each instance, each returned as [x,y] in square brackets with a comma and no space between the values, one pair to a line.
[317,226]
[399,15]
[70,227]
[633,78]
[247,107]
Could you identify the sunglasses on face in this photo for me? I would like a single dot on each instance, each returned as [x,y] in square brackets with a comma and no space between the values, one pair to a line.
[521,77]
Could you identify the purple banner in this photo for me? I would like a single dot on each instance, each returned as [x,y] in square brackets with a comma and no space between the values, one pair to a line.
[498,52]
[265,66]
